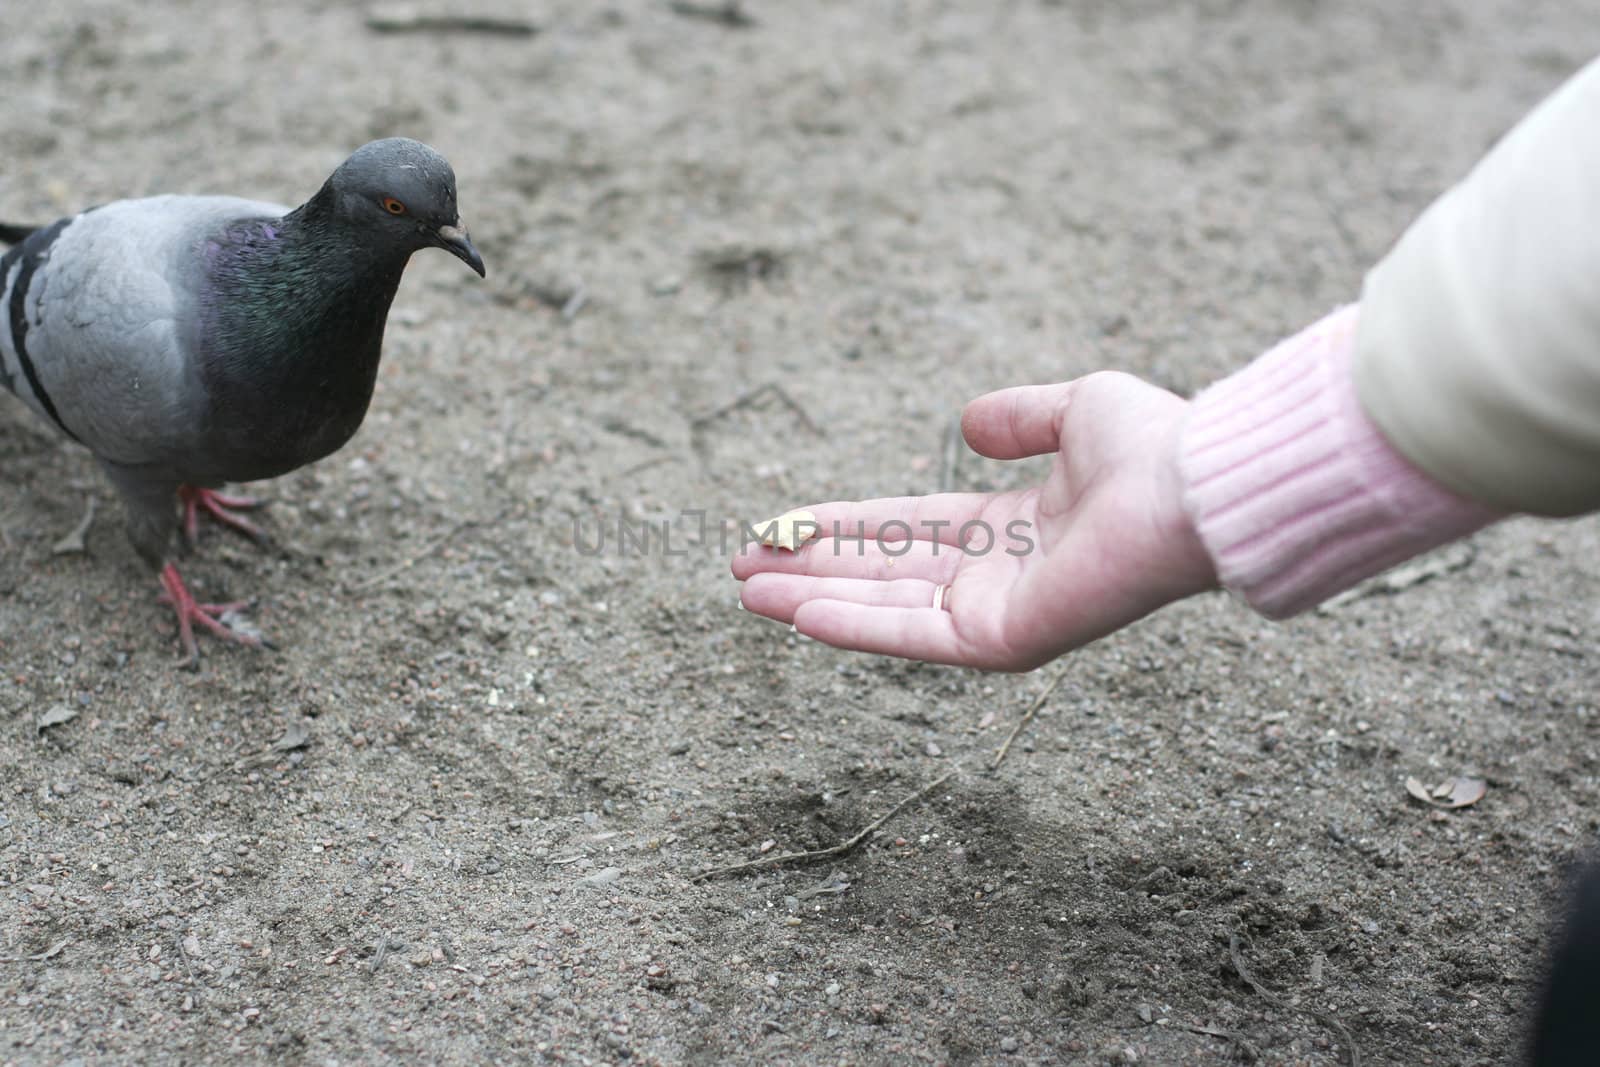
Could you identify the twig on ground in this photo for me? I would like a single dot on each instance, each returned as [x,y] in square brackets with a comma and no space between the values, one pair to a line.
[749,400]
[729,12]
[1445,561]
[379,954]
[1027,717]
[183,954]
[409,20]
[828,853]
[799,412]
[699,424]
[76,540]
[738,263]
[38,957]
[639,468]
[1331,1022]
[953,447]
[1251,1053]
[425,551]
[1336,215]
[574,303]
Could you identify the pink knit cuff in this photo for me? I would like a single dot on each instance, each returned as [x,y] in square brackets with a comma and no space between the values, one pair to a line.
[1294,492]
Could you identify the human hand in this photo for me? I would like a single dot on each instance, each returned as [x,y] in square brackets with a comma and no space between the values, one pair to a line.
[1104,541]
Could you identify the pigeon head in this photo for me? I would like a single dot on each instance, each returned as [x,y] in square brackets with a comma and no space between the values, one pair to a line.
[402,192]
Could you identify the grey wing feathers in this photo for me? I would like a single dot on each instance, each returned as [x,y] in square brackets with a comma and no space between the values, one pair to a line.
[99,322]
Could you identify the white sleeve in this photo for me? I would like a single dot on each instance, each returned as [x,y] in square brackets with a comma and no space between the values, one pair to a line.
[1478,350]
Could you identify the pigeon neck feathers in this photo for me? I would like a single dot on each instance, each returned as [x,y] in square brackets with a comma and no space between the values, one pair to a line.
[293,311]
[309,286]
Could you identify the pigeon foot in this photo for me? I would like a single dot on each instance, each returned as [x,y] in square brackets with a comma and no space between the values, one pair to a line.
[189,612]
[223,509]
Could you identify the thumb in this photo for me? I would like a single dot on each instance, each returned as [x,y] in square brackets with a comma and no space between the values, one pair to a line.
[1018,422]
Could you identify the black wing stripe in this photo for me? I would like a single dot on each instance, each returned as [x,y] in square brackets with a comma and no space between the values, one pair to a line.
[33,253]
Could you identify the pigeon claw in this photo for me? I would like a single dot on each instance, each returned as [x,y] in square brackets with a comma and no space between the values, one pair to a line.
[208,616]
[223,509]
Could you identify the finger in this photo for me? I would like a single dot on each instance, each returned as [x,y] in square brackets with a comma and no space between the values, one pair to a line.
[1017,422]
[911,633]
[936,517]
[942,518]
[778,595]
[832,557]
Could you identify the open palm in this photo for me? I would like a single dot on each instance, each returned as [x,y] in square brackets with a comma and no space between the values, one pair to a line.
[1028,574]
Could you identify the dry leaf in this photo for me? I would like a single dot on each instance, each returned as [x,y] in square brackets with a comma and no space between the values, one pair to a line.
[55,716]
[295,735]
[1465,791]
[1458,792]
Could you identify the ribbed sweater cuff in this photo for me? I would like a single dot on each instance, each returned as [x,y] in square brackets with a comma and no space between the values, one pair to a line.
[1294,492]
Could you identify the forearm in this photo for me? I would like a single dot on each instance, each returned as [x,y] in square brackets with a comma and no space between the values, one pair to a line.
[1467,384]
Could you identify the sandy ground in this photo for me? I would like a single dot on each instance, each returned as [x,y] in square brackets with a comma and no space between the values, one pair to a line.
[456,817]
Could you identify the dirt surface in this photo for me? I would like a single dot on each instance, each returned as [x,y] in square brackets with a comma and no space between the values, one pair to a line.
[737,268]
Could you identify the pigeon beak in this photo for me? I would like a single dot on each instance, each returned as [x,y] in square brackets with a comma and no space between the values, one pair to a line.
[454,239]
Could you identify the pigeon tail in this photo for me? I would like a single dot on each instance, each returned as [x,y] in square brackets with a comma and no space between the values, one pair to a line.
[12,234]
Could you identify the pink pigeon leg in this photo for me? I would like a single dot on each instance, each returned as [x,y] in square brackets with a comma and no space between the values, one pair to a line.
[221,508]
[174,592]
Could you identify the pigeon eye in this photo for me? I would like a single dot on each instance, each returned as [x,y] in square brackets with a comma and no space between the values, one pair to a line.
[393,206]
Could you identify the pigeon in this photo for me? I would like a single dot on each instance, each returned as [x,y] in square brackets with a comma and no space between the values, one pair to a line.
[193,341]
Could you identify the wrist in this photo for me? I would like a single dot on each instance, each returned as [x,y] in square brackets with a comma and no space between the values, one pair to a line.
[1192,568]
